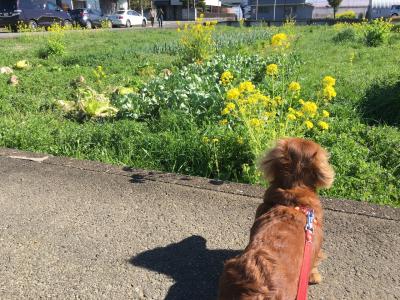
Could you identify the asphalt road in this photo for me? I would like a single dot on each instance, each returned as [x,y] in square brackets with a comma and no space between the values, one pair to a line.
[80,230]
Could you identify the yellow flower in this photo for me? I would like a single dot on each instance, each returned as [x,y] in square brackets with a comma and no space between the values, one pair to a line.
[226,77]
[223,122]
[323,125]
[225,111]
[255,122]
[294,86]
[291,110]
[299,113]
[205,140]
[291,117]
[242,110]
[240,140]
[178,29]
[329,92]
[233,94]
[278,100]
[215,140]
[325,114]
[328,81]
[246,86]
[270,114]
[230,106]
[309,124]
[301,101]
[272,69]
[253,99]
[279,40]
[310,108]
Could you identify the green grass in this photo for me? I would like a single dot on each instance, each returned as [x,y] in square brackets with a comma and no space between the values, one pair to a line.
[364,137]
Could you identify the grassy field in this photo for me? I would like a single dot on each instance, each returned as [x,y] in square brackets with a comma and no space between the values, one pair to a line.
[363,137]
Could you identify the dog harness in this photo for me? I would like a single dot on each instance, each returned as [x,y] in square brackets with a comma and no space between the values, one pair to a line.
[305,267]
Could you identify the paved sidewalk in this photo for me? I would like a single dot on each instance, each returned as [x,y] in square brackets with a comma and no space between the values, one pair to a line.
[81,230]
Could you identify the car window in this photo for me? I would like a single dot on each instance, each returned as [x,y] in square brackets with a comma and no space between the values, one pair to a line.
[135,13]
[120,12]
[51,6]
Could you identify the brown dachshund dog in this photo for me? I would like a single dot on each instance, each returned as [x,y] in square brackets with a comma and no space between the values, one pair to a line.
[269,267]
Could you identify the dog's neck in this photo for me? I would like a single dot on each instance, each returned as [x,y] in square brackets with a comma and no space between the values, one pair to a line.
[294,197]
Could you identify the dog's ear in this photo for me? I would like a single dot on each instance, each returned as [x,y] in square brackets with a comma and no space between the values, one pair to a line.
[269,164]
[323,170]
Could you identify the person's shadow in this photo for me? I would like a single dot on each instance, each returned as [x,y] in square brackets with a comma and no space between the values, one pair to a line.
[194,268]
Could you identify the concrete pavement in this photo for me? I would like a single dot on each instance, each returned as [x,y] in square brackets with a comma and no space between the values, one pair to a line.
[74,229]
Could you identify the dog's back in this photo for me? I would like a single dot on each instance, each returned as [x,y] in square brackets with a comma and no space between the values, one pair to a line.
[269,267]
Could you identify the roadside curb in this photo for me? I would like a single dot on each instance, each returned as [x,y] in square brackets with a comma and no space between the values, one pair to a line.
[253,191]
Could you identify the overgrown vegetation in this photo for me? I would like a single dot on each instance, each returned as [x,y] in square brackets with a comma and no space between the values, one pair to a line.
[120,97]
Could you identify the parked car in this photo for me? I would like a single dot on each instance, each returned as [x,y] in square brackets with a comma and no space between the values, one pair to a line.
[127,18]
[34,13]
[89,18]
[395,10]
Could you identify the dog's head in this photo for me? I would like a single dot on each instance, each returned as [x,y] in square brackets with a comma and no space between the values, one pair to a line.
[295,161]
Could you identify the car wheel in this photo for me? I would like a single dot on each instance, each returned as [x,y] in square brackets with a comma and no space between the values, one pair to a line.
[395,15]
[144,23]
[128,24]
[89,25]
[32,24]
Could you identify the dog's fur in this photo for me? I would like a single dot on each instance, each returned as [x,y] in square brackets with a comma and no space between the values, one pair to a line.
[269,267]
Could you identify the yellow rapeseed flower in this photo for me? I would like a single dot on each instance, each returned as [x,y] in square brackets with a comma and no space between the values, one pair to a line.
[309,124]
[225,111]
[294,87]
[325,114]
[240,140]
[310,108]
[233,94]
[226,77]
[254,122]
[323,125]
[215,140]
[272,69]
[246,86]
[230,106]
[301,101]
[223,122]
[205,139]
[279,40]
[329,92]
[328,81]
[291,117]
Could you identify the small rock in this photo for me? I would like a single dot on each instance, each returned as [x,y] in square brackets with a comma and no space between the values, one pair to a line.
[6,70]
[13,80]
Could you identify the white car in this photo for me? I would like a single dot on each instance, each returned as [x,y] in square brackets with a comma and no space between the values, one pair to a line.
[127,18]
[395,11]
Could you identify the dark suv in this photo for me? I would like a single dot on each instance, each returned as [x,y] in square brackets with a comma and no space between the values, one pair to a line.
[89,18]
[34,13]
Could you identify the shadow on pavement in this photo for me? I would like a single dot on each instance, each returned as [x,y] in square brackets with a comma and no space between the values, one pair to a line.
[194,268]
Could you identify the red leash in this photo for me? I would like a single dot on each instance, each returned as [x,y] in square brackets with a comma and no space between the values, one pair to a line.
[305,267]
